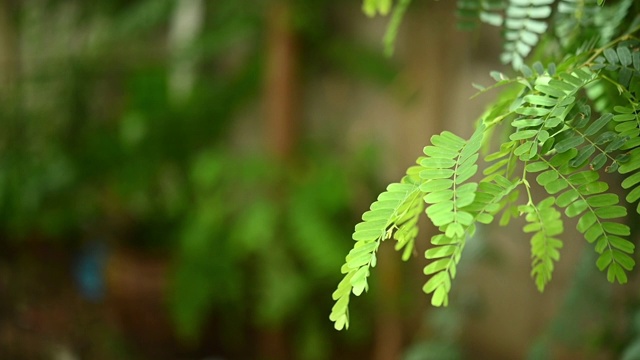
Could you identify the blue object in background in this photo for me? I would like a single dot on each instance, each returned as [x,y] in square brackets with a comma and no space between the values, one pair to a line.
[89,270]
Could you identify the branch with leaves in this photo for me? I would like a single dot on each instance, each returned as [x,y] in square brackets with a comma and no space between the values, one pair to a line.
[561,125]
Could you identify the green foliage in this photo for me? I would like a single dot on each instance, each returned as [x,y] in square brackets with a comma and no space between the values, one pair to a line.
[559,127]
[88,150]
[383,7]
[522,22]
[544,221]
[371,7]
[472,12]
[449,164]
[582,195]
[394,214]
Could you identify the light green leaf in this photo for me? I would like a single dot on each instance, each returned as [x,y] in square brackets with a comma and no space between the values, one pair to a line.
[439,196]
[436,266]
[546,177]
[603,200]
[436,185]
[540,100]
[612,212]
[536,166]
[567,197]
[433,174]
[524,134]
[633,195]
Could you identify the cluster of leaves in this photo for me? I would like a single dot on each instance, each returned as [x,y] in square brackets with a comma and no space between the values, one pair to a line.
[560,126]
[248,233]
[383,7]
[523,23]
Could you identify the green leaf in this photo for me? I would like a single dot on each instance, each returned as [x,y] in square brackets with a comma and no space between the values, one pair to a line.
[367,235]
[536,166]
[546,177]
[440,297]
[556,186]
[583,155]
[623,245]
[603,200]
[569,143]
[545,221]
[632,164]
[599,161]
[604,260]
[625,261]
[611,56]
[583,178]
[616,144]
[527,122]
[436,266]
[624,55]
[540,100]
[398,207]
[593,188]
[633,195]
[567,197]
[448,140]
[498,165]
[466,174]
[612,212]
[561,85]
[359,280]
[436,185]
[586,221]
[523,149]
[433,174]
[437,163]
[532,111]
[605,137]
[550,90]
[524,134]
[616,228]
[598,124]
[440,251]
[624,116]
[593,233]
[434,151]
[631,180]
[439,196]
[615,272]
[576,208]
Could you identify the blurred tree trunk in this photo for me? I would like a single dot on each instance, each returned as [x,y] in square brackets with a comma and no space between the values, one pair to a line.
[8,51]
[281,81]
[280,100]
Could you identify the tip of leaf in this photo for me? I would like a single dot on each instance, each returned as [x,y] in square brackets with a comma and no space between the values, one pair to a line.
[341,323]
[369,9]
[478,86]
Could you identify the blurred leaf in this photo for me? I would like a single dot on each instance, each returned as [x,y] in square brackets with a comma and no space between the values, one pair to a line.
[255,228]
[207,169]
[363,63]
[280,288]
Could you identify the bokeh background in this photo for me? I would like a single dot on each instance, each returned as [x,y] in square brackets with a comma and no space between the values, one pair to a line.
[179,179]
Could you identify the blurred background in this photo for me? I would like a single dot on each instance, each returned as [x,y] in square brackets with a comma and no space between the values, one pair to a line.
[179,179]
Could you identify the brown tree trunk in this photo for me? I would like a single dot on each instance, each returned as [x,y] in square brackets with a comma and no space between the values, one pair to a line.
[281,82]
[280,90]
